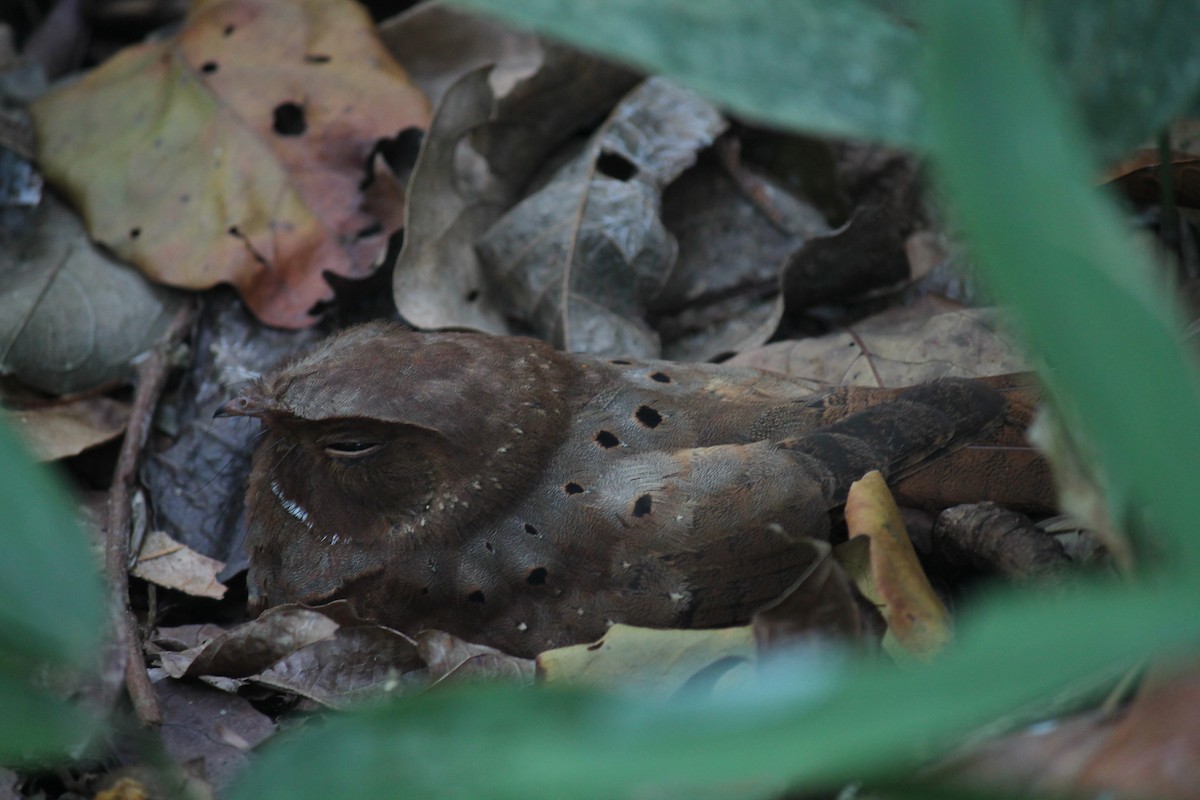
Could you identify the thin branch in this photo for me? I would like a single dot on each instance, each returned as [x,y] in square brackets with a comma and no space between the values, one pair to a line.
[126,654]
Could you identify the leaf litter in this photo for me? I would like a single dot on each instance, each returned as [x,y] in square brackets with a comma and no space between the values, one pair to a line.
[726,254]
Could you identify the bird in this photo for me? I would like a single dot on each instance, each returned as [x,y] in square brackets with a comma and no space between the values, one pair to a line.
[526,498]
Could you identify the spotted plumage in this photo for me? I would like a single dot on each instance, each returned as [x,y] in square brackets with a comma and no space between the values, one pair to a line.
[525,498]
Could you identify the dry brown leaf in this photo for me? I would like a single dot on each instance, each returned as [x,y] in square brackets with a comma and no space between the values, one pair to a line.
[896,349]
[652,661]
[235,151]
[253,646]
[450,658]
[62,430]
[357,661]
[167,563]
[326,654]
[210,730]
[584,256]
[483,148]
[822,603]
[918,623]
[735,226]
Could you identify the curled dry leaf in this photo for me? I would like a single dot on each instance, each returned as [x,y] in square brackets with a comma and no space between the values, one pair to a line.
[167,563]
[66,429]
[71,317]
[584,256]
[482,149]
[235,150]
[654,661]
[918,623]
[253,646]
[990,538]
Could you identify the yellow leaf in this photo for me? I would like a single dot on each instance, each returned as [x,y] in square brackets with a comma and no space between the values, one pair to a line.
[653,661]
[918,622]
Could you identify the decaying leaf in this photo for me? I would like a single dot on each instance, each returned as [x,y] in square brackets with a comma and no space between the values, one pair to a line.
[357,661]
[450,658]
[61,430]
[211,731]
[584,256]
[329,655]
[735,227]
[822,603]
[659,662]
[253,646]
[71,317]
[167,563]
[898,348]
[918,623]
[482,149]
[235,151]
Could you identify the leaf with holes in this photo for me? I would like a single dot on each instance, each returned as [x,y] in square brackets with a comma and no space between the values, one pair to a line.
[238,150]
[584,256]
[484,146]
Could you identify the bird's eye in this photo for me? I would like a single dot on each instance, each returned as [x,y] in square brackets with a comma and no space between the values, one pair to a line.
[352,448]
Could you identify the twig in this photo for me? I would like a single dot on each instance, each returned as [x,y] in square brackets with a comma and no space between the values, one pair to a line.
[127,649]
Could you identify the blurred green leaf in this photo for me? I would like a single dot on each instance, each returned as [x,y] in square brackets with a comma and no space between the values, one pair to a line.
[1091,302]
[51,604]
[821,722]
[843,68]
[850,68]
[37,725]
[1131,65]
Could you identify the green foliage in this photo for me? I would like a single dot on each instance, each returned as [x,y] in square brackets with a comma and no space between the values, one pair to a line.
[851,68]
[1089,301]
[1017,176]
[51,605]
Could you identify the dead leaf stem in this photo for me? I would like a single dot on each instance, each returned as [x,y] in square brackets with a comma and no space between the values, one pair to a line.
[127,650]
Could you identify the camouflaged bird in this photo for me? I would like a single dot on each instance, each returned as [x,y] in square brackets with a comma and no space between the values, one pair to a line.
[525,498]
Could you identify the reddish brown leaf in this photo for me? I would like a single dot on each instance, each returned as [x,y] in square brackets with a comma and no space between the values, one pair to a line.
[235,151]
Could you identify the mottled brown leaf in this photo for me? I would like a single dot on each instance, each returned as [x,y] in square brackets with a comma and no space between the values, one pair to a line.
[235,150]
[484,146]
[584,256]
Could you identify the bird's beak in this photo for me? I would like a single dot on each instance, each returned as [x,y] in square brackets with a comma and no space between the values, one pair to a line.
[246,403]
